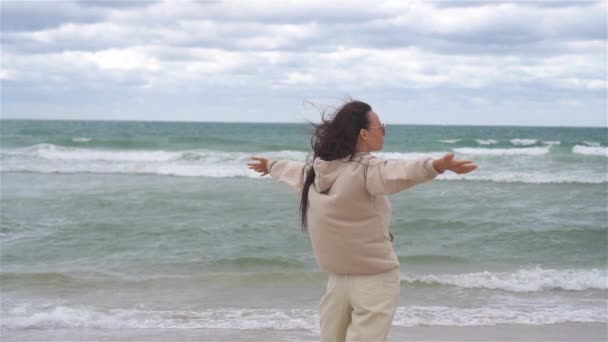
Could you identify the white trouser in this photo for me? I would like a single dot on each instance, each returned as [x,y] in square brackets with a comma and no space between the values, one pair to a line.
[359,308]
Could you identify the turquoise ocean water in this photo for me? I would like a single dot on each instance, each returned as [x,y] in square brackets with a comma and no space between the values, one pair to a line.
[119,225]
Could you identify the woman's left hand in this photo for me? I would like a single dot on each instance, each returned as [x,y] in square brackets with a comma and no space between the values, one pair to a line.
[448,162]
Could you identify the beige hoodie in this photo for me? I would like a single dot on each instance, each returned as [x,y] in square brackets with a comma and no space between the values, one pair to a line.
[349,211]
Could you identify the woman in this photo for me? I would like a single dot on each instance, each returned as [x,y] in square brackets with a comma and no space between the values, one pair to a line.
[345,208]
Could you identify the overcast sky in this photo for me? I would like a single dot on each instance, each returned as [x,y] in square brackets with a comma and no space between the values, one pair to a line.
[418,62]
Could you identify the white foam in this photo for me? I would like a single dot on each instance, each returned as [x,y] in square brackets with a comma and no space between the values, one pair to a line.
[531,151]
[450,141]
[591,150]
[54,152]
[409,155]
[523,142]
[48,158]
[220,318]
[486,141]
[582,176]
[81,139]
[552,142]
[451,316]
[58,317]
[524,280]
[591,143]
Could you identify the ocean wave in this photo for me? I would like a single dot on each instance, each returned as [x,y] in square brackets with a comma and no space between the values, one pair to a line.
[531,151]
[39,278]
[523,142]
[578,177]
[591,143]
[57,152]
[524,280]
[93,278]
[486,141]
[552,142]
[58,317]
[254,262]
[450,316]
[409,155]
[430,258]
[591,150]
[450,141]
[81,139]
[49,158]
[229,318]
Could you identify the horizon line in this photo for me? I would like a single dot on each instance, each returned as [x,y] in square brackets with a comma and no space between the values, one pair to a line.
[293,122]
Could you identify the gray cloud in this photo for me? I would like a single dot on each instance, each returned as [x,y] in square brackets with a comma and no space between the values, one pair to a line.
[39,15]
[535,3]
[115,3]
[473,53]
[496,29]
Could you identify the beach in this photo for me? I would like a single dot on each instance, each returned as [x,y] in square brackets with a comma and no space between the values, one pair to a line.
[123,231]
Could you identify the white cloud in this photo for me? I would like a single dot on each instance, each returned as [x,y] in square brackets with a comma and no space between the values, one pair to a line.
[479,100]
[7,74]
[298,78]
[399,67]
[319,47]
[118,59]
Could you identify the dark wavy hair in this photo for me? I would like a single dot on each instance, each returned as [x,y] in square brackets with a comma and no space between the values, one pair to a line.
[334,138]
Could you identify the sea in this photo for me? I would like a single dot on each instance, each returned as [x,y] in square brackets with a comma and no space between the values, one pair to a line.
[135,230]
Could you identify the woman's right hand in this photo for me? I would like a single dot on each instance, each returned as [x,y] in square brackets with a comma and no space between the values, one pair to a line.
[261,167]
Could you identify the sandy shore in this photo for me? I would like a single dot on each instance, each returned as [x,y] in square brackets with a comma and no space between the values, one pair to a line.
[536,333]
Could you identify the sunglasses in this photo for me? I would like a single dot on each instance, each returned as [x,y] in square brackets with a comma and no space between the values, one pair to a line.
[382,128]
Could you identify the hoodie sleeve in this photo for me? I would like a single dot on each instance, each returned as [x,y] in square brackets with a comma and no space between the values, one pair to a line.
[289,172]
[387,176]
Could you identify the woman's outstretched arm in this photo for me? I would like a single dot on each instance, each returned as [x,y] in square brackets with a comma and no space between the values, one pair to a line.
[386,176]
[289,172]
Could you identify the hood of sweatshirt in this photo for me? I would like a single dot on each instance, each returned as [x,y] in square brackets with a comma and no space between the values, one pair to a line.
[328,171]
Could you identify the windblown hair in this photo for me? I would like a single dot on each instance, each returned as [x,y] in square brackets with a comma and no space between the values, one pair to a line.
[334,138]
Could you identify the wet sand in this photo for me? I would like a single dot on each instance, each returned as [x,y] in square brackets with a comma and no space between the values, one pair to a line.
[536,333]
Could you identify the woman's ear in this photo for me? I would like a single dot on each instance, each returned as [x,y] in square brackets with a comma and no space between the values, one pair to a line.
[363,134]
